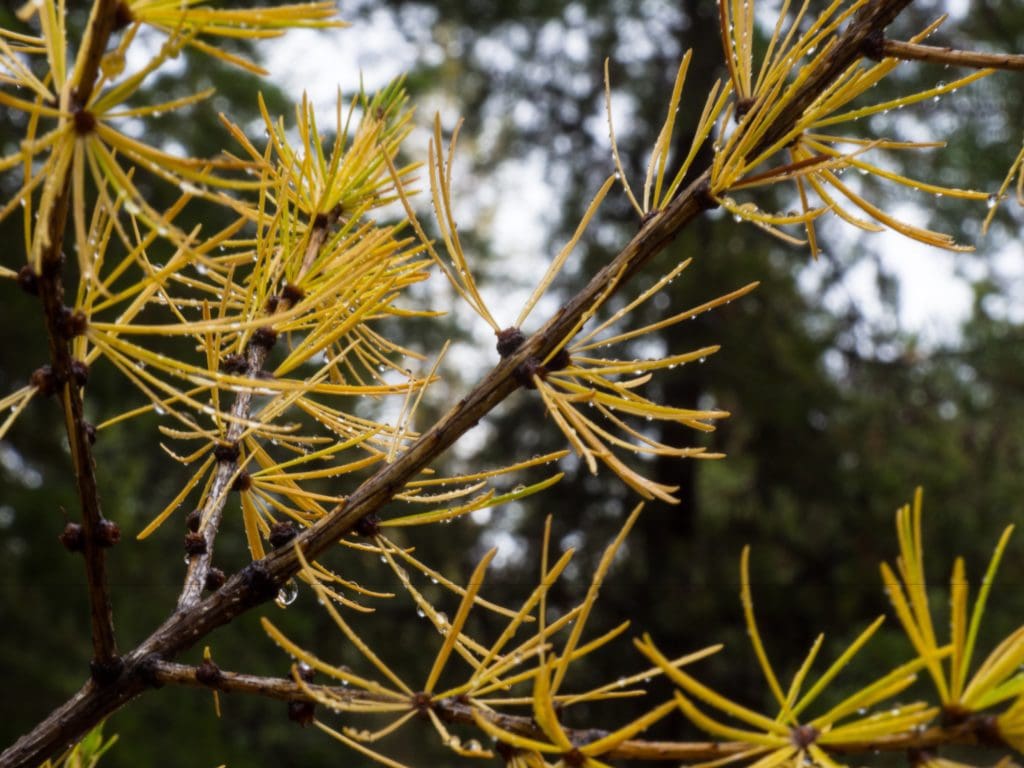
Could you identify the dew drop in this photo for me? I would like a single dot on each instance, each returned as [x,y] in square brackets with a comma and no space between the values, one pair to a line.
[287,594]
[991,201]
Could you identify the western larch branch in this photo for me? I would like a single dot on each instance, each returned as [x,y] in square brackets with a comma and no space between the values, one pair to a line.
[96,533]
[260,581]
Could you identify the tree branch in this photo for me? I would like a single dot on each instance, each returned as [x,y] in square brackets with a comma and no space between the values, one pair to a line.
[68,376]
[212,511]
[897,49]
[972,731]
[209,518]
[259,581]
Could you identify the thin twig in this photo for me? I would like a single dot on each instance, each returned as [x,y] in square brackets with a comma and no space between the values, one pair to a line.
[212,511]
[972,731]
[97,533]
[897,49]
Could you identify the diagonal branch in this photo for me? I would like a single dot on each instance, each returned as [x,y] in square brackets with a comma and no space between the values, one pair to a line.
[259,582]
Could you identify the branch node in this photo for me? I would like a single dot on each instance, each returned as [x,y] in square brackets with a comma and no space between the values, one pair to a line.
[259,583]
[226,453]
[743,106]
[72,538]
[234,363]
[147,670]
[987,728]
[560,361]
[292,294]
[302,712]
[509,340]
[703,197]
[264,337]
[215,579]
[73,322]
[209,674]
[195,544]
[802,736]
[28,280]
[524,373]
[193,520]
[368,525]
[574,758]
[874,45]
[80,372]
[242,483]
[108,533]
[123,16]
[53,266]
[422,702]
[84,121]
[281,533]
[46,380]
[106,671]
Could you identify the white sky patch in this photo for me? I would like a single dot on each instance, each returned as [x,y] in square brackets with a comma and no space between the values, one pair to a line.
[320,61]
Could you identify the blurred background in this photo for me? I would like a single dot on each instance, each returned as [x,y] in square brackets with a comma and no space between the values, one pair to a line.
[851,379]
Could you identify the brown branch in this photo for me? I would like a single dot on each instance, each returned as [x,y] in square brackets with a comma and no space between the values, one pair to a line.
[212,511]
[972,731]
[897,49]
[209,516]
[259,582]
[67,376]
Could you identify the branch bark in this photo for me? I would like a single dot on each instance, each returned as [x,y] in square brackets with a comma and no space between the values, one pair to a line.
[196,578]
[97,533]
[259,582]
[972,731]
[212,511]
[897,49]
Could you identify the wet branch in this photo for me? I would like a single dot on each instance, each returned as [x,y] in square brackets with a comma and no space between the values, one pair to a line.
[897,49]
[66,376]
[973,731]
[204,523]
